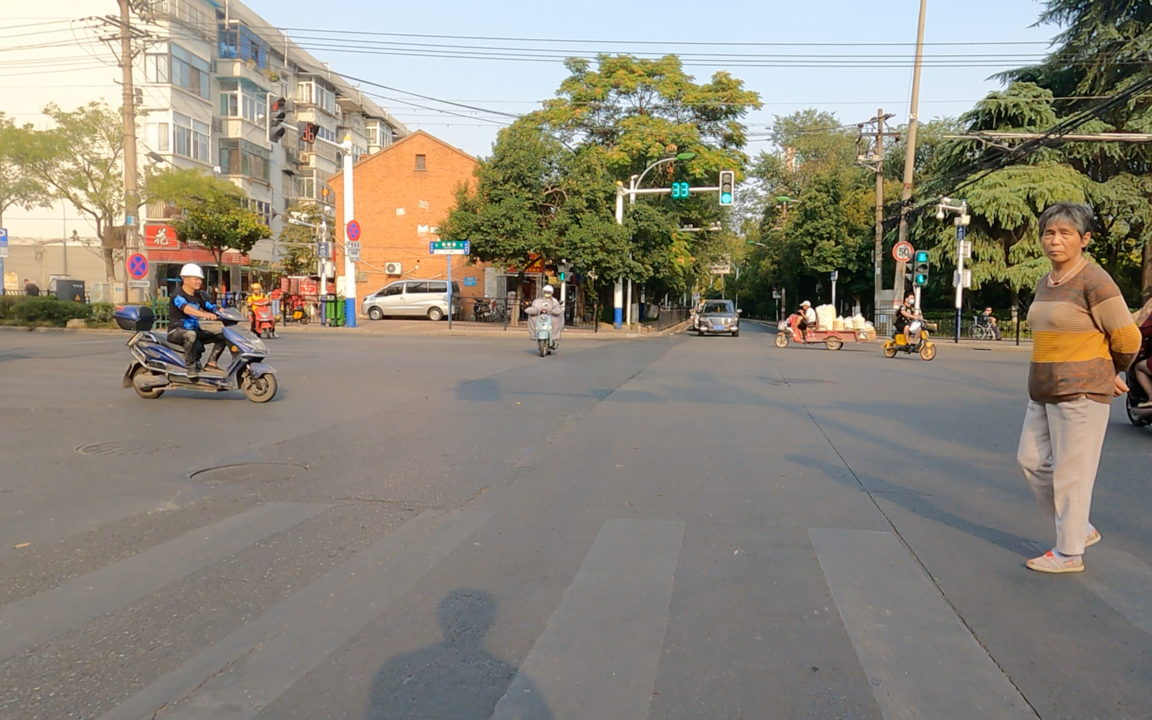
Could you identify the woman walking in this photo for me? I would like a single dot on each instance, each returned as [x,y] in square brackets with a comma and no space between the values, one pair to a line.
[1083,337]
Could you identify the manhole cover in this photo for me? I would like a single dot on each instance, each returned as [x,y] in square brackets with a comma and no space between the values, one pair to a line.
[124,447]
[250,472]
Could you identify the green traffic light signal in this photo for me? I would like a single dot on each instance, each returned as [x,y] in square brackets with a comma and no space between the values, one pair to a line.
[920,273]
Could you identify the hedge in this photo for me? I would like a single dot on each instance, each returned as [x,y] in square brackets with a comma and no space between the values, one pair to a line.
[24,310]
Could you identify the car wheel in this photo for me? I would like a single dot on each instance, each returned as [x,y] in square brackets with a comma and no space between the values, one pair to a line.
[375,313]
[435,314]
[735,333]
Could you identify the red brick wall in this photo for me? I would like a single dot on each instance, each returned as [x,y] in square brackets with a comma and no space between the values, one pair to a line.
[397,206]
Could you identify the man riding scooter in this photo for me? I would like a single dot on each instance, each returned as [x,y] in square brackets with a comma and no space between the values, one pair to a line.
[187,307]
[549,306]
[908,320]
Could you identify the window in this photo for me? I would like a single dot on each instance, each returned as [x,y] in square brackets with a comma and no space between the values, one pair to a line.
[417,288]
[189,72]
[238,101]
[378,134]
[240,157]
[313,93]
[159,136]
[396,289]
[156,68]
[421,162]
[437,287]
[239,43]
[261,208]
[191,138]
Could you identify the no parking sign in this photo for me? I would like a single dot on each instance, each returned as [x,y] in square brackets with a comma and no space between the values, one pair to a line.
[137,266]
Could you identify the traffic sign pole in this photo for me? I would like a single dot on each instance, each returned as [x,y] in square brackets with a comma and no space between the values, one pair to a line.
[350,227]
[3,254]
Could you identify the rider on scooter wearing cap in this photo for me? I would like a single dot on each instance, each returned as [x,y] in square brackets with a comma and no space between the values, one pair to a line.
[188,306]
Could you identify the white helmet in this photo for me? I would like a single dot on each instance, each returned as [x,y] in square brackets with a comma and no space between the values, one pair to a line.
[548,290]
[192,270]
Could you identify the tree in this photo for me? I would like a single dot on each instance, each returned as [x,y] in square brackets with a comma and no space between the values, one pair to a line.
[629,113]
[79,161]
[1102,50]
[212,211]
[1005,204]
[818,212]
[18,188]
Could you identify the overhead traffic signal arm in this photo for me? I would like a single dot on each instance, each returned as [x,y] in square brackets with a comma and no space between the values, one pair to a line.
[682,190]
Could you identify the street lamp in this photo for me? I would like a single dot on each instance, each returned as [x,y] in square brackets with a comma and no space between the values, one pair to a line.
[635,181]
[963,250]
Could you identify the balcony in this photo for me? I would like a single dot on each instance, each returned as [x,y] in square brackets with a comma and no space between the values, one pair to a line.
[243,70]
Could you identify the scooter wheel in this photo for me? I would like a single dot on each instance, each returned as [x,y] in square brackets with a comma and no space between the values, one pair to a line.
[1134,416]
[146,394]
[889,351]
[928,351]
[781,340]
[261,389]
[542,346]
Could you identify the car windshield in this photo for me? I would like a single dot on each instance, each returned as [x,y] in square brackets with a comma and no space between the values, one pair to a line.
[717,307]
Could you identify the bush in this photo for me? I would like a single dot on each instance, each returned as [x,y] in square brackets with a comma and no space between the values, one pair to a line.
[46,311]
[102,313]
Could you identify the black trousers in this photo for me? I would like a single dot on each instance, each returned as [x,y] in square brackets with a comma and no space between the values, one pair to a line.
[188,339]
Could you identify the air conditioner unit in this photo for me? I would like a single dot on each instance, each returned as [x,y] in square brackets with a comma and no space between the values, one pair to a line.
[392,268]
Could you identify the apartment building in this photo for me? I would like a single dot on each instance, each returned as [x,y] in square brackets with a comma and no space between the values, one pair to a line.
[219,89]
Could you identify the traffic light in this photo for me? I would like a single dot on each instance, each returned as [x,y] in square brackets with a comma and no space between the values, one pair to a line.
[920,273]
[727,186]
[278,113]
[680,191]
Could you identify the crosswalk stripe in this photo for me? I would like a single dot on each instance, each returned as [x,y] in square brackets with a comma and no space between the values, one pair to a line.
[67,522]
[28,622]
[921,661]
[1122,581]
[240,675]
[599,653]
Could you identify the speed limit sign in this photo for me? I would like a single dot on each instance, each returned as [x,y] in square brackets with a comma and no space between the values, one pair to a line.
[903,252]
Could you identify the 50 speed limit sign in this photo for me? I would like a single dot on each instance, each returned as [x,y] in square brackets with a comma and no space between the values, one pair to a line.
[903,251]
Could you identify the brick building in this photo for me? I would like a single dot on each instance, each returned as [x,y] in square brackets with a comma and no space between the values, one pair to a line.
[402,193]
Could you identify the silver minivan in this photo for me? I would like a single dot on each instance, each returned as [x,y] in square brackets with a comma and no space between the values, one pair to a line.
[422,298]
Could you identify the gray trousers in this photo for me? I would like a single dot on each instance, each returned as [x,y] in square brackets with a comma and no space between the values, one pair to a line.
[1059,453]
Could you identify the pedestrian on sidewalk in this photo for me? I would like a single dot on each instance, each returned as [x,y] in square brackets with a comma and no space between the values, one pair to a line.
[31,289]
[1083,338]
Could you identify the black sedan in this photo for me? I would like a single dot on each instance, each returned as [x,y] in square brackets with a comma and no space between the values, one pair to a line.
[717,317]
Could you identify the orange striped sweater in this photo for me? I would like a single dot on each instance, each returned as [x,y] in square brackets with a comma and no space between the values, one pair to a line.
[1083,335]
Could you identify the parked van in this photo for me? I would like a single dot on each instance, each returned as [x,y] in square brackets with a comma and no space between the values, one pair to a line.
[426,298]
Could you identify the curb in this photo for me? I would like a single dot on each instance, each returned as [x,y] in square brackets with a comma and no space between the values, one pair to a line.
[77,331]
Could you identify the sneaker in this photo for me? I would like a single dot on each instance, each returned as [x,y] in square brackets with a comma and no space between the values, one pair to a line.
[1049,563]
[1145,404]
[1093,538]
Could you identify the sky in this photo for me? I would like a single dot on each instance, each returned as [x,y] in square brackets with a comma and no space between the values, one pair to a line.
[993,35]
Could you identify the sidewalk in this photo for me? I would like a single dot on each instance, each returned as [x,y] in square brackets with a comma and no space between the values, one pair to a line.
[471,329]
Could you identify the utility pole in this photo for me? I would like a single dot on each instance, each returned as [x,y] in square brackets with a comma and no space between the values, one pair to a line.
[910,150]
[128,111]
[874,160]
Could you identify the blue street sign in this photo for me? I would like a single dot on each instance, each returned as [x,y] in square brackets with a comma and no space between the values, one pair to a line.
[469,282]
[961,231]
[3,243]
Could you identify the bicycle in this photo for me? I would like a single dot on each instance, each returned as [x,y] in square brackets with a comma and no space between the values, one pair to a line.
[981,330]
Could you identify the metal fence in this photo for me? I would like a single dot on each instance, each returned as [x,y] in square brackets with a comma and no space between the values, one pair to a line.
[667,317]
[505,313]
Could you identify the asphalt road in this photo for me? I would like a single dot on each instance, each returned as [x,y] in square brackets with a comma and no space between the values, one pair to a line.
[456,528]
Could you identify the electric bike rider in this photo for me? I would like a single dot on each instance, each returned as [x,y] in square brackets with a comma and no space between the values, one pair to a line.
[256,296]
[549,306]
[187,307]
[908,321]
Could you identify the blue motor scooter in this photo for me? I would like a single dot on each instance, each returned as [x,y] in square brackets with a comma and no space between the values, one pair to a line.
[158,365]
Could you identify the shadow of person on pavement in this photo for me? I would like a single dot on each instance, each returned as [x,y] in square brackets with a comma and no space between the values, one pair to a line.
[456,678]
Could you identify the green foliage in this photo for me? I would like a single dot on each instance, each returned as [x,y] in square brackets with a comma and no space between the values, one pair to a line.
[102,313]
[829,223]
[79,161]
[22,310]
[18,188]
[212,211]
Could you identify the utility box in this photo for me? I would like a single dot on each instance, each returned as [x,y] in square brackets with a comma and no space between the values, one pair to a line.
[68,289]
